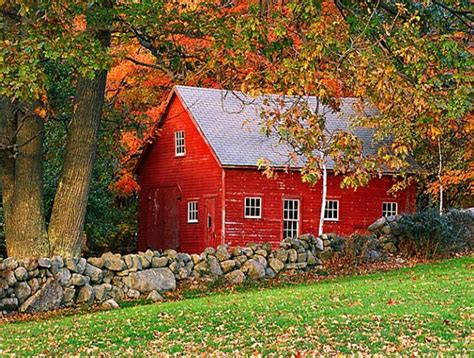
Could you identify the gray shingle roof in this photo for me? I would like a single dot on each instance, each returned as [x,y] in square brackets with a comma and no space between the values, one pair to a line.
[230,121]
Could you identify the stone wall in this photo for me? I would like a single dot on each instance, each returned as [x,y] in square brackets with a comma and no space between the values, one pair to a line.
[48,283]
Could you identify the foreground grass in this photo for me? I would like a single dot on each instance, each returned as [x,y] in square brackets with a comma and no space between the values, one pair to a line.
[428,308]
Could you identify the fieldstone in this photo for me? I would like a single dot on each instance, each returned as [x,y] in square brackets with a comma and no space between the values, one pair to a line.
[174,267]
[161,279]
[154,296]
[47,298]
[296,265]
[372,255]
[253,245]
[292,255]
[319,244]
[144,261]
[214,266]
[44,263]
[281,254]
[209,251]
[21,274]
[276,265]
[228,265]
[70,263]
[9,276]
[133,262]
[111,303]
[182,273]
[270,273]
[202,268]
[107,276]
[113,262]
[196,258]
[302,257]
[159,261]
[8,304]
[10,263]
[100,291]
[58,261]
[377,224]
[254,269]
[94,273]
[133,294]
[122,273]
[149,254]
[261,252]
[117,293]
[78,279]
[31,264]
[85,295]
[3,284]
[261,259]
[68,297]
[33,273]
[235,277]
[267,247]
[183,257]
[22,291]
[222,253]
[96,261]
[236,251]
[387,230]
[247,251]
[285,245]
[170,253]
[241,259]
[34,284]
[311,259]
[64,276]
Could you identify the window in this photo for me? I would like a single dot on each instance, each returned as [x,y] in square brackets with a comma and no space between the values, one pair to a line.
[290,217]
[331,210]
[179,143]
[389,209]
[253,208]
[192,212]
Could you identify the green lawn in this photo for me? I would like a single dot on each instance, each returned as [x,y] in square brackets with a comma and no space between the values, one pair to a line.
[428,308]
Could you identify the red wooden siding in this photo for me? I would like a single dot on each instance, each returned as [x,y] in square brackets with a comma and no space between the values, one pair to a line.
[196,176]
[357,209]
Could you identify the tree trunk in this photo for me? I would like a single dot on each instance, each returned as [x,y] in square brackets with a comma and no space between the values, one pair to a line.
[440,171]
[323,200]
[25,225]
[70,202]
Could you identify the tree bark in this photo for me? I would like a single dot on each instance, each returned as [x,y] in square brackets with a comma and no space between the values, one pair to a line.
[323,200]
[69,207]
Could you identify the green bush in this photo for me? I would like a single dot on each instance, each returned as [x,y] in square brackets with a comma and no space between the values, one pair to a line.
[427,233]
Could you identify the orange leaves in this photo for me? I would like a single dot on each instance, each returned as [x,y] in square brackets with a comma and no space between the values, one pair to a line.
[41,112]
[126,184]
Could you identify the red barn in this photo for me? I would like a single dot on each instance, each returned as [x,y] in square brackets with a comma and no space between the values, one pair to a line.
[200,185]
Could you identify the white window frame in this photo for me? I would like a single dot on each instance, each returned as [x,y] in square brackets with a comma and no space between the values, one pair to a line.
[252,204]
[390,210]
[179,144]
[287,219]
[193,212]
[331,210]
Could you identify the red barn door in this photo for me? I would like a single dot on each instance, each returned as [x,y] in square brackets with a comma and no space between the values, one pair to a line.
[163,218]
[210,237]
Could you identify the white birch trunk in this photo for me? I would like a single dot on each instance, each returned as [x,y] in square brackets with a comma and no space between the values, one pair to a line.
[323,200]
[441,189]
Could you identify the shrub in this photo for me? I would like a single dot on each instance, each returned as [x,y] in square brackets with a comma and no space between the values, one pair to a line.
[427,233]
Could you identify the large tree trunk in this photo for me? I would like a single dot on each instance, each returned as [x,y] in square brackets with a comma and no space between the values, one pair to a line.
[70,202]
[21,179]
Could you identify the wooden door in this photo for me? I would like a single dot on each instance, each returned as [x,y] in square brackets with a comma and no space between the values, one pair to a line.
[163,218]
[210,236]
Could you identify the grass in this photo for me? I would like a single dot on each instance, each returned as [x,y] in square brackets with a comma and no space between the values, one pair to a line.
[428,308]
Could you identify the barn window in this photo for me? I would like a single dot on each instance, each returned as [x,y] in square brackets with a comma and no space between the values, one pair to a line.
[291,217]
[389,209]
[192,212]
[179,143]
[253,208]
[331,210]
